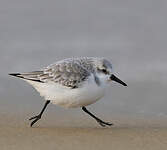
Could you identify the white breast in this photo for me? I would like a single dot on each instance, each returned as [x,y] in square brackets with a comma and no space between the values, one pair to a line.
[89,93]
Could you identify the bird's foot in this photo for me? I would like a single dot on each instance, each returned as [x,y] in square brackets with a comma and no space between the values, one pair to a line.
[103,124]
[35,119]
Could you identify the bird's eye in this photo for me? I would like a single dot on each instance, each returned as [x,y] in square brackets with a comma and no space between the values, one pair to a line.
[104,71]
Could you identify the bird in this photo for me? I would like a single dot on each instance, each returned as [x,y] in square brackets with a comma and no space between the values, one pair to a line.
[72,83]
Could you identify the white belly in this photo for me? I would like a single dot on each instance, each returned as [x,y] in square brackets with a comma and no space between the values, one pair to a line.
[89,93]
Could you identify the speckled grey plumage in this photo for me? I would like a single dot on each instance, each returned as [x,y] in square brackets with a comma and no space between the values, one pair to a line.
[69,72]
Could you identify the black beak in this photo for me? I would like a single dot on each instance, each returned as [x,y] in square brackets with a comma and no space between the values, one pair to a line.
[114,78]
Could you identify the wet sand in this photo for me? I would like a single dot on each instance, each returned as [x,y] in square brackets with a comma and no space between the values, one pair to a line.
[60,138]
[17,135]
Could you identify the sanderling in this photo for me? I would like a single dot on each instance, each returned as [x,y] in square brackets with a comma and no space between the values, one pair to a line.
[72,82]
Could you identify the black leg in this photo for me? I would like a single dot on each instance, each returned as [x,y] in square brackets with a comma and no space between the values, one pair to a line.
[102,123]
[36,118]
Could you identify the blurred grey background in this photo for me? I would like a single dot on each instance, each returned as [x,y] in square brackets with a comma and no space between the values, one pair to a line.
[132,33]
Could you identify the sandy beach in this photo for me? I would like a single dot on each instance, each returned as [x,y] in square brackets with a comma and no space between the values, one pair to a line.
[15,134]
[73,138]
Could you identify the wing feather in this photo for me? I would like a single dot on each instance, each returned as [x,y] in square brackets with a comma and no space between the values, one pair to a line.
[67,73]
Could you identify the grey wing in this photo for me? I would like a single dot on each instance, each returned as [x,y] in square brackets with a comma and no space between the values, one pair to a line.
[70,74]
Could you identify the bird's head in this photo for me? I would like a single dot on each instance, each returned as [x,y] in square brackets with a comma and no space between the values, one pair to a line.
[104,71]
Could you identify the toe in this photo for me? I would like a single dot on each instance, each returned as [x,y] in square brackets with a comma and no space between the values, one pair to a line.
[33,122]
[35,117]
[108,123]
[103,124]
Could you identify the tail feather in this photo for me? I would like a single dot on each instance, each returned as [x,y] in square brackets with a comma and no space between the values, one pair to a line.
[33,76]
[14,74]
